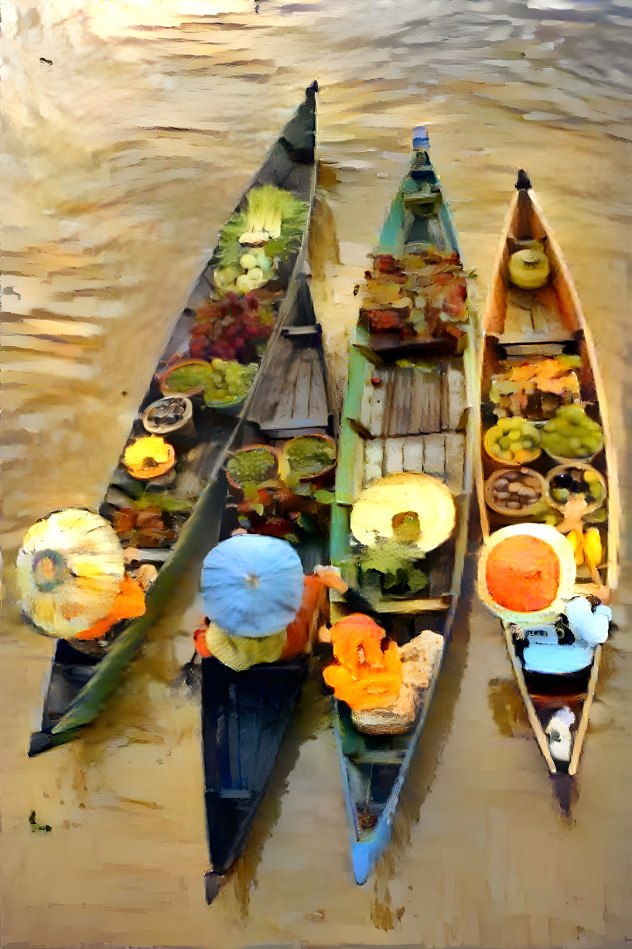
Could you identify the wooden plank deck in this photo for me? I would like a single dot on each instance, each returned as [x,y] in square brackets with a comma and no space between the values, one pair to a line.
[531,318]
[294,395]
[407,401]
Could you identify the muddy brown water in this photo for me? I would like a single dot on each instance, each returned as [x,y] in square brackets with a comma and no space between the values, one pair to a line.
[131,129]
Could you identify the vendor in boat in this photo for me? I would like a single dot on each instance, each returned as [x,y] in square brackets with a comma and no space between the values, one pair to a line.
[567,645]
[240,650]
[527,577]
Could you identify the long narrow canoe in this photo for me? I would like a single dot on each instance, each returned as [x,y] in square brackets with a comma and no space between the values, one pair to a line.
[82,678]
[527,328]
[407,409]
[245,715]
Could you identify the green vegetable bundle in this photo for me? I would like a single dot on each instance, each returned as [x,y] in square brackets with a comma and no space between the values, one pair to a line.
[274,218]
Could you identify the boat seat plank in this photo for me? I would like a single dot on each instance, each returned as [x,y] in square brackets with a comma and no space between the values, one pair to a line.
[414,454]
[393,455]
[454,455]
[373,756]
[420,605]
[373,456]
[452,394]
[434,454]
[379,404]
[529,319]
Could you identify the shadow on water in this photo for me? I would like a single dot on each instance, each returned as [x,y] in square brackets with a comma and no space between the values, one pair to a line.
[426,760]
[312,713]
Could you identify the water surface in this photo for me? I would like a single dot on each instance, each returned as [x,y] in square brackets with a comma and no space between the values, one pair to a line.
[131,129]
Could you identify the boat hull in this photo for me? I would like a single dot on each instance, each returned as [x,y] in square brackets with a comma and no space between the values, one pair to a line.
[412,416]
[291,164]
[530,326]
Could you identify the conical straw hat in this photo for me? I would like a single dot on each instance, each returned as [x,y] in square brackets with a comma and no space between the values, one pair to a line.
[527,570]
[429,498]
[69,571]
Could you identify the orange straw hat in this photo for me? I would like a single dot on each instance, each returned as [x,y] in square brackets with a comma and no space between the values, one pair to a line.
[526,573]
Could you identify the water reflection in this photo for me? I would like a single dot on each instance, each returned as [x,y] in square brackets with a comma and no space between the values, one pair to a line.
[130,130]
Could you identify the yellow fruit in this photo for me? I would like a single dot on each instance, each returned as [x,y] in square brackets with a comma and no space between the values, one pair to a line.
[593,549]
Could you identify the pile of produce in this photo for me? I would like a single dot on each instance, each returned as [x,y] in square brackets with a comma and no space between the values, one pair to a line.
[228,382]
[587,546]
[309,455]
[150,527]
[271,227]
[230,328]
[514,440]
[514,491]
[536,389]
[255,465]
[420,295]
[418,657]
[149,457]
[572,434]
[576,480]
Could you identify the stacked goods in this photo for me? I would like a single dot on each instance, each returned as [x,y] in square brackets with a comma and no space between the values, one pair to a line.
[255,240]
[421,294]
[572,434]
[514,491]
[570,481]
[513,440]
[231,327]
[537,388]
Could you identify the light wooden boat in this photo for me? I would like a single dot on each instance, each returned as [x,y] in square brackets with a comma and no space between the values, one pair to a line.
[528,325]
[407,408]
[83,677]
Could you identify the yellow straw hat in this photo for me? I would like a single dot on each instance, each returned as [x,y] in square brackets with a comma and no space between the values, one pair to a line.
[69,571]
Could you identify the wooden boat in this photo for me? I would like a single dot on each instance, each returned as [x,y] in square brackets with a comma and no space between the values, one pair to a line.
[408,409]
[525,328]
[82,677]
[245,714]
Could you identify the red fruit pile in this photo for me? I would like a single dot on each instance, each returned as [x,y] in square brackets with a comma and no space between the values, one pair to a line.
[228,328]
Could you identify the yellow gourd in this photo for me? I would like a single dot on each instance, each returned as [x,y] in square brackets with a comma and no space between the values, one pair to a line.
[529,268]
[592,547]
[576,541]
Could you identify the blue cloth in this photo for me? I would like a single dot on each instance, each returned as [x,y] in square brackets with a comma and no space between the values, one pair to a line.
[545,654]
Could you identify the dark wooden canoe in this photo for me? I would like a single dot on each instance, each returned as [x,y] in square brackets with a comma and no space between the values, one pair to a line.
[81,677]
[407,409]
[245,715]
[529,326]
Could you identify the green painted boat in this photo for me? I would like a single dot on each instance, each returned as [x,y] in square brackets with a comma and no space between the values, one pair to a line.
[407,412]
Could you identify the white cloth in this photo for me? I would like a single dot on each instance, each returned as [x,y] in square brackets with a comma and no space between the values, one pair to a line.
[590,627]
[545,654]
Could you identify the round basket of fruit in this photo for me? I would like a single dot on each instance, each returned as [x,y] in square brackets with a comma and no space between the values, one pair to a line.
[254,464]
[228,384]
[576,479]
[309,456]
[514,492]
[572,435]
[512,441]
[185,377]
